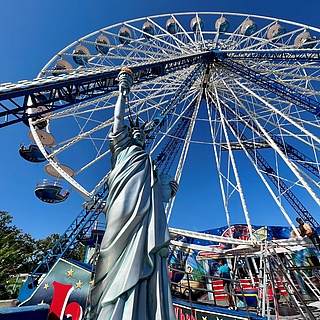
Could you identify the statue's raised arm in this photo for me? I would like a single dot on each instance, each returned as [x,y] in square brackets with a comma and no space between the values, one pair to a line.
[125,82]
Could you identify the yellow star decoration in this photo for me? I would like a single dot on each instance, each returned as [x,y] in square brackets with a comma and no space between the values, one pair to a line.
[70,273]
[91,282]
[204,318]
[79,284]
[46,286]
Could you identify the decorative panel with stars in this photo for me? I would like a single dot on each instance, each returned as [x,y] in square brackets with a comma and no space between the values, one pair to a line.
[65,288]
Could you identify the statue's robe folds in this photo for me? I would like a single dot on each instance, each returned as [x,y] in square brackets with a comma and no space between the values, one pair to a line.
[131,280]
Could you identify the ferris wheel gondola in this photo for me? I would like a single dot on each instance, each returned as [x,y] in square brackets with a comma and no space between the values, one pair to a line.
[31,153]
[50,191]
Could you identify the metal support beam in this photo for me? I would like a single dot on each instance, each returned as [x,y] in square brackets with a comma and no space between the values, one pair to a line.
[155,125]
[168,154]
[283,91]
[301,55]
[65,90]
[263,165]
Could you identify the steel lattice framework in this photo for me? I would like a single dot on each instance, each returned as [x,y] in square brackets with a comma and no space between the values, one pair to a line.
[75,88]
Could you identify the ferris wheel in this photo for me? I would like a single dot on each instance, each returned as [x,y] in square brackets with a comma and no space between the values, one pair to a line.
[245,88]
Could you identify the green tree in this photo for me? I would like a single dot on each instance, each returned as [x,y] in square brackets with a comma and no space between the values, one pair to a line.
[20,253]
[8,252]
[44,245]
[16,252]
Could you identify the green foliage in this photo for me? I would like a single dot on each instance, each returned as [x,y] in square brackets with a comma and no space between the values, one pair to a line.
[44,245]
[8,252]
[16,248]
[16,251]
[20,254]
[14,284]
[79,253]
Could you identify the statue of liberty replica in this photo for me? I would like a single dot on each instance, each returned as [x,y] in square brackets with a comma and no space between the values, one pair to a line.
[131,280]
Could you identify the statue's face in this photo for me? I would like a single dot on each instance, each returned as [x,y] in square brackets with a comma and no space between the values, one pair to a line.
[138,137]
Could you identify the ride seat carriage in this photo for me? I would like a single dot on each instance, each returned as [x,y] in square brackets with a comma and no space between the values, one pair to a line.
[31,153]
[50,191]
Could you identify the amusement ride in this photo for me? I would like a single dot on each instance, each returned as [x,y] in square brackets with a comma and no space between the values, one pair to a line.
[240,90]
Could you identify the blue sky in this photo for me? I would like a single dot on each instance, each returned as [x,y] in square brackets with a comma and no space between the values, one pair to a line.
[33,31]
